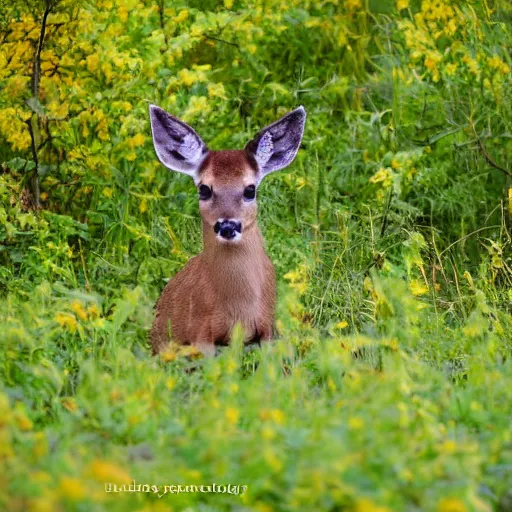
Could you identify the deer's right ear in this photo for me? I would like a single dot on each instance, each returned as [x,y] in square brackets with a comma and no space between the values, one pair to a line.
[177,145]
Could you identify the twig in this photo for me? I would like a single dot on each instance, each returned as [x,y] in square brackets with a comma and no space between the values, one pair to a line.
[213,38]
[490,161]
[36,76]
[465,237]
[36,79]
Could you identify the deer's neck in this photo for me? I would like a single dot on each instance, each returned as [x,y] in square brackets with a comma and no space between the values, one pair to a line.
[238,270]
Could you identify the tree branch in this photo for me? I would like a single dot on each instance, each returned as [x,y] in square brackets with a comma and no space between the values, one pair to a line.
[33,122]
[489,160]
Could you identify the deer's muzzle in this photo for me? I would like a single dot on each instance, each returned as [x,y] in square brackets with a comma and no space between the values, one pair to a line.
[227,229]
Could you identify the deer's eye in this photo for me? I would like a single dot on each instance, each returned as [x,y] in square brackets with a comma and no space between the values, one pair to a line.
[249,192]
[205,192]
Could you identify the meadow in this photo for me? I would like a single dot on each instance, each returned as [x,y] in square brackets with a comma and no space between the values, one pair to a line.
[389,387]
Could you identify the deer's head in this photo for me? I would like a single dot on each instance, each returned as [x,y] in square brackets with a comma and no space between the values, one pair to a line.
[227,181]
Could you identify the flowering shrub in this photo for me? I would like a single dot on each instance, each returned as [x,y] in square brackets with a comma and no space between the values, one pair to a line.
[388,387]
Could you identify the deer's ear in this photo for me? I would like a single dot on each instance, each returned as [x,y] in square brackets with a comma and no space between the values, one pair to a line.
[177,145]
[276,145]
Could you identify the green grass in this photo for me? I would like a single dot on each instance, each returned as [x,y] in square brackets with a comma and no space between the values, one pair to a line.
[389,387]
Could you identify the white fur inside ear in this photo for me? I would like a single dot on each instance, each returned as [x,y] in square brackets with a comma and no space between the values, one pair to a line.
[192,149]
[265,149]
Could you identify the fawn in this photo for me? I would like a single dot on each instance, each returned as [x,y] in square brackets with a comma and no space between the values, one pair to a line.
[233,279]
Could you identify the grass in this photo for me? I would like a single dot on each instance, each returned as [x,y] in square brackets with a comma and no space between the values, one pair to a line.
[389,386]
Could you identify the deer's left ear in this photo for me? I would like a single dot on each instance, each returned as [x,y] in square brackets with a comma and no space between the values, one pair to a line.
[276,145]
[177,145]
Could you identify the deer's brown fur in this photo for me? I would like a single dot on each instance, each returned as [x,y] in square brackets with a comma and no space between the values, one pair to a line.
[225,284]
[232,281]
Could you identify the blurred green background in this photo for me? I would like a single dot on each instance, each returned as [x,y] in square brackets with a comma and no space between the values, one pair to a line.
[390,387]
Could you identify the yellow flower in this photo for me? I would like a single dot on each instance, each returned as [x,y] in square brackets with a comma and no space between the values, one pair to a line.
[216,91]
[274,462]
[449,447]
[104,471]
[341,325]
[93,311]
[252,48]
[494,61]
[136,140]
[79,310]
[70,404]
[23,422]
[451,505]
[353,4]
[67,320]
[107,192]
[450,69]
[268,433]
[418,287]
[228,4]
[232,415]
[72,488]
[383,175]
[92,62]
[182,16]
[171,382]
[402,4]
[431,60]
[355,423]
[366,505]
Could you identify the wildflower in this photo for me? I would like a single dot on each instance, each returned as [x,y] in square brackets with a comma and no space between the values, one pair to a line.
[451,505]
[449,447]
[383,175]
[182,16]
[72,488]
[341,325]
[171,382]
[450,69]
[355,423]
[353,4]
[107,192]
[268,433]
[92,62]
[232,415]
[70,404]
[274,462]
[252,48]
[366,505]
[67,320]
[136,140]
[79,310]
[104,471]
[228,4]
[418,287]
[431,61]
[216,91]
[93,311]
[298,279]
[23,422]
[402,4]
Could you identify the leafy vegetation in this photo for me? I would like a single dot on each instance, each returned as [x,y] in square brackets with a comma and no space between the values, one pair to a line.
[390,387]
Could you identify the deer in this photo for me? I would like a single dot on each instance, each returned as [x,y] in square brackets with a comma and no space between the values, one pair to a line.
[232,281]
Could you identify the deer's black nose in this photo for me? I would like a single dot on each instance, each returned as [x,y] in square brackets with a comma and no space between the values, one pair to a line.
[227,228]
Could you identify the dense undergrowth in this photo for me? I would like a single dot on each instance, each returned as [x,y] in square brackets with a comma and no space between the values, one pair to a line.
[390,386]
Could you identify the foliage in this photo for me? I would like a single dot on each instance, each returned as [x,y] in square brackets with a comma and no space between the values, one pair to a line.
[389,387]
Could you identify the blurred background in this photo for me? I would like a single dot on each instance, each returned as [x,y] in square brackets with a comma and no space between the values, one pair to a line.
[390,234]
